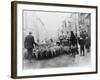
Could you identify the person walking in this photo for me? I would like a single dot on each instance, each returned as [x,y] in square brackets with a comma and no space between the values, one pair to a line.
[87,44]
[29,44]
[82,45]
[73,44]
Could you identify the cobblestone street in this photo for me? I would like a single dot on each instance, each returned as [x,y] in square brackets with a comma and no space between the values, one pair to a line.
[60,61]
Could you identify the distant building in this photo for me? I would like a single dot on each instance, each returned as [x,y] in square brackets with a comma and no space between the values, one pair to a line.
[74,18]
[85,22]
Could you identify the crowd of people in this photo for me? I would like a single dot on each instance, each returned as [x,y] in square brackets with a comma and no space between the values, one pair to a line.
[83,41]
[71,47]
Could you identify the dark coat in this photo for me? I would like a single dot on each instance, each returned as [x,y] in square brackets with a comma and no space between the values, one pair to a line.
[29,42]
[81,42]
[87,42]
[73,40]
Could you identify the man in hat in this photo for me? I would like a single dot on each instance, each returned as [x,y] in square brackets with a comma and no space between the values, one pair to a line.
[29,44]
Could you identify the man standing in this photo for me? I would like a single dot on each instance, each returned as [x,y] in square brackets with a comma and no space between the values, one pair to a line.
[29,44]
[82,43]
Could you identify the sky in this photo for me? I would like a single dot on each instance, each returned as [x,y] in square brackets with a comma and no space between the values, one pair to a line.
[43,23]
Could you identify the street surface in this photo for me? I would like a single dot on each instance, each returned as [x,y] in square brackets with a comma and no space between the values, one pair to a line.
[60,61]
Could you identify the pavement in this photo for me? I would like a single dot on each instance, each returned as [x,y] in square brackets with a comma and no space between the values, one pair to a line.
[60,61]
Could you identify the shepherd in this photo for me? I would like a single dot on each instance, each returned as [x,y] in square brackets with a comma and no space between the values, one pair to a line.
[29,44]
